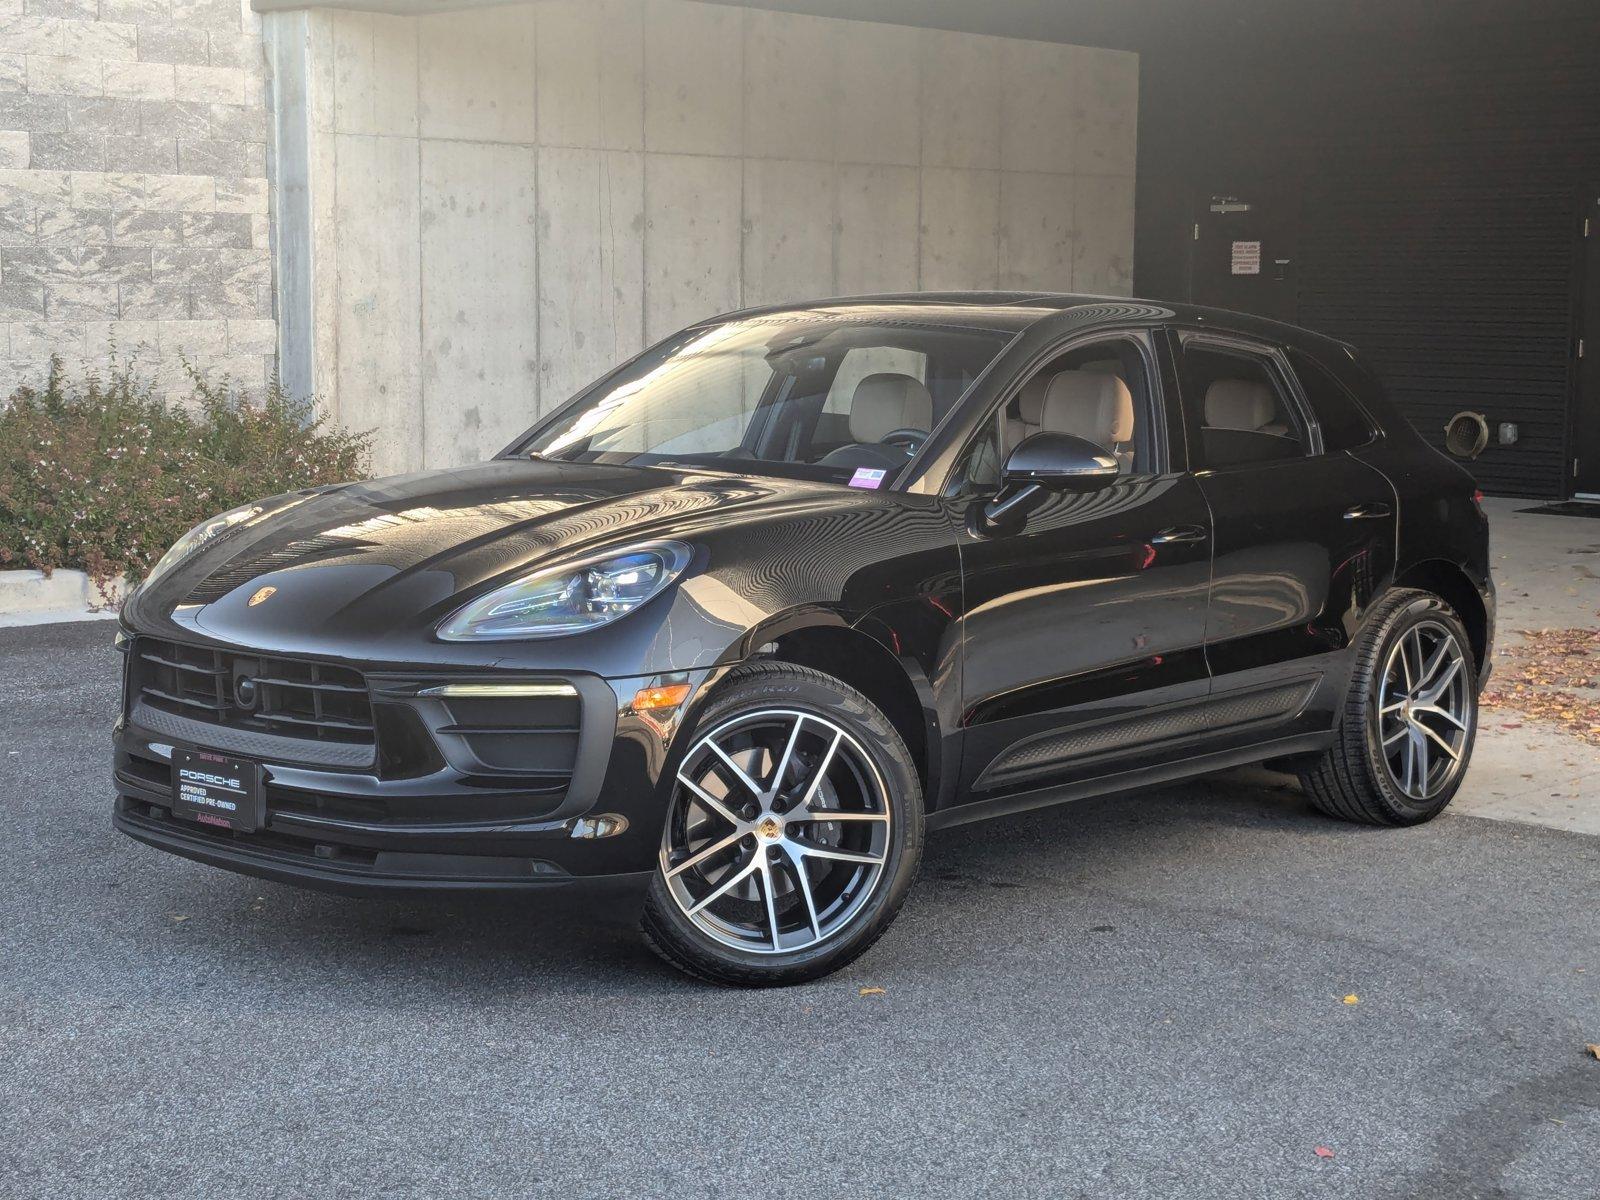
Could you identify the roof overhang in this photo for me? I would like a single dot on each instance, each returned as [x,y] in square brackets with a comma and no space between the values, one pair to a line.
[1115,24]
[1110,23]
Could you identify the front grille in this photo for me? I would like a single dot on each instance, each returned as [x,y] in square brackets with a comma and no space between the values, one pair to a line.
[263,693]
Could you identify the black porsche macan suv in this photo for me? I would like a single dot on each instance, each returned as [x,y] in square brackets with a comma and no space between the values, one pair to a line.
[729,632]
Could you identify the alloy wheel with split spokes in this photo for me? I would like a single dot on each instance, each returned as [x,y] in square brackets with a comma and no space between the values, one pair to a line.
[778,833]
[1424,710]
[1405,735]
[791,832]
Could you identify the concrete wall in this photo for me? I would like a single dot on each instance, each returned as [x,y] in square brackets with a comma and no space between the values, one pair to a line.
[505,202]
[133,191]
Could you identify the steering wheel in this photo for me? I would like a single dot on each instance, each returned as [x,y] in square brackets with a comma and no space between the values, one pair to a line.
[911,439]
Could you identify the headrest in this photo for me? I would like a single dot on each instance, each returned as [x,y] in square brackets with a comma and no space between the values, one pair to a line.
[888,401]
[1240,404]
[1090,405]
[1030,400]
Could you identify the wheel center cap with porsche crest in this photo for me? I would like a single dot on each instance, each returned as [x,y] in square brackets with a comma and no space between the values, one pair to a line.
[770,828]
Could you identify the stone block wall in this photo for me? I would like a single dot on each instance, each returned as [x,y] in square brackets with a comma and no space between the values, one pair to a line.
[133,189]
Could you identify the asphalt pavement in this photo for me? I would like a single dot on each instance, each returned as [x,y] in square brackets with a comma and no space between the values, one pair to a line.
[1136,996]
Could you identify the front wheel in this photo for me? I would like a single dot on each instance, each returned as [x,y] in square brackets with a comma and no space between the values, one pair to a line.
[1406,733]
[792,836]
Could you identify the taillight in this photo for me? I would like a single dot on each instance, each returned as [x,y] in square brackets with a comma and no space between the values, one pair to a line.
[1477,503]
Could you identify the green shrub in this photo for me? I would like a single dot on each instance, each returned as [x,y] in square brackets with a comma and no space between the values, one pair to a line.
[101,475]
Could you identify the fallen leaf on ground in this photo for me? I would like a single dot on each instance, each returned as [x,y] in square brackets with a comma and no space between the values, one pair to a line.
[180,916]
[1593,1049]
[1323,1152]
[870,991]
[1540,678]
[1352,998]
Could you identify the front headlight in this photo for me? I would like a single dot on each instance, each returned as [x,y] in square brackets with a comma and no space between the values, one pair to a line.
[571,598]
[197,537]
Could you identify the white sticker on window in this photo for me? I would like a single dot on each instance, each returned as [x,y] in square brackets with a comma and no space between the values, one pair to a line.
[868,477]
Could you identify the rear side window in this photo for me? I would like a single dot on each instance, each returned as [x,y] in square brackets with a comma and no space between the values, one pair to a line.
[1344,425]
[1245,417]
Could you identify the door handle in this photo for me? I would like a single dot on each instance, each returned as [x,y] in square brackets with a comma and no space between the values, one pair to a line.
[1179,533]
[1367,512]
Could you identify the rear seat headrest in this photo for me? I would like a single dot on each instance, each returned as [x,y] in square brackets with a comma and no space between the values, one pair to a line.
[1245,404]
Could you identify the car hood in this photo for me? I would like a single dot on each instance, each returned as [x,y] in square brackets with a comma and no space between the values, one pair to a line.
[384,560]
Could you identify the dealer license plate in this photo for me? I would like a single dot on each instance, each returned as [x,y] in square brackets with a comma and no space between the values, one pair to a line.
[216,790]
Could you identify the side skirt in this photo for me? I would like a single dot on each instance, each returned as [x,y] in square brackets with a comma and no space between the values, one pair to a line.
[1167,772]
[1051,751]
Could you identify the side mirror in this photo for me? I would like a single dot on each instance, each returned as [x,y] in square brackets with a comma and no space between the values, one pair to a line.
[1050,462]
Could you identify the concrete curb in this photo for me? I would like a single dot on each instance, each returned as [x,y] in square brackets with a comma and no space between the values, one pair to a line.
[31,598]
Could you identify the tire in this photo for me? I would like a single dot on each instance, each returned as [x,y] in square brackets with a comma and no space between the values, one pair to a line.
[826,890]
[1372,773]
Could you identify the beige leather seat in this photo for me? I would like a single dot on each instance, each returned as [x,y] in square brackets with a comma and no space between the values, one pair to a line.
[882,403]
[1092,404]
[888,401]
[1247,405]
[1030,407]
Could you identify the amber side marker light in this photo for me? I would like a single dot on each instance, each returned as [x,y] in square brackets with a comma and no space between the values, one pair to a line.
[604,826]
[654,699]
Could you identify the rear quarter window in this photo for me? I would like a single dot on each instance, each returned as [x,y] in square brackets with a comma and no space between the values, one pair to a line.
[1345,424]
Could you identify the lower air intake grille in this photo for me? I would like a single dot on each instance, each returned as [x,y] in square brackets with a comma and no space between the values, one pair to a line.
[287,697]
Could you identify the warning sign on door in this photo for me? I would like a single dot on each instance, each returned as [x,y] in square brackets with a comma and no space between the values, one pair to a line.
[1247,258]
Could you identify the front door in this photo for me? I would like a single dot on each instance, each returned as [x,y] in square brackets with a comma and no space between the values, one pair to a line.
[1089,614]
[1304,537]
[1585,466]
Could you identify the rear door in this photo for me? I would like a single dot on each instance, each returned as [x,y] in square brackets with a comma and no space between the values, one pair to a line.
[1303,537]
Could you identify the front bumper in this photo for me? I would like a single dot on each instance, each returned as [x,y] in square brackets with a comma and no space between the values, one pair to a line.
[357,873]
[437,806]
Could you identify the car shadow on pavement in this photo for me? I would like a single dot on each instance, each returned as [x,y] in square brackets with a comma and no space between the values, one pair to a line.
[998,873]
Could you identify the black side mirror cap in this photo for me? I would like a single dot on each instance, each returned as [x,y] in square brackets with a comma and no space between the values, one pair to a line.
[1061,462]
[1049,462]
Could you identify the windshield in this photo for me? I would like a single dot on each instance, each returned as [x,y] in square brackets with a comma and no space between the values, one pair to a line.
[843,399]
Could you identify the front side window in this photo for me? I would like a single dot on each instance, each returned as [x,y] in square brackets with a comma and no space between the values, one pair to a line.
[1099,392]
[842,399]
[1245,415]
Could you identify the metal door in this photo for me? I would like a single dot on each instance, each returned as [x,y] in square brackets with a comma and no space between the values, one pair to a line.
[1585,467]
[1242,251]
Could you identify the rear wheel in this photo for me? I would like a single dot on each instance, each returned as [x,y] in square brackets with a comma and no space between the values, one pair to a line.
[793,834]
[1407,729]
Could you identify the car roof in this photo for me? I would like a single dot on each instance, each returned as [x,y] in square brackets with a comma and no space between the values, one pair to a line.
[1017,310]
